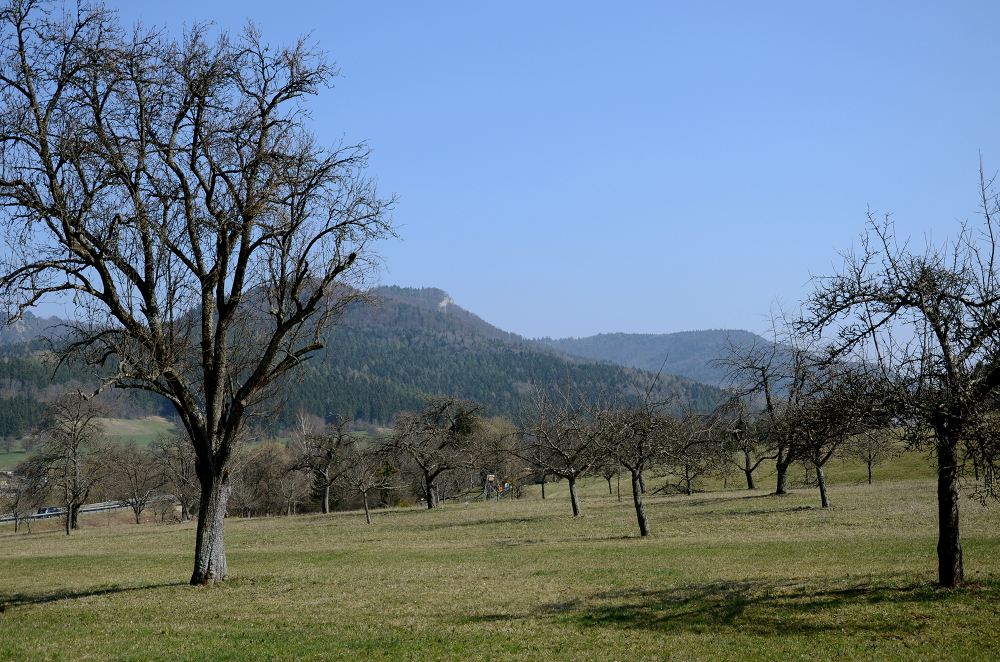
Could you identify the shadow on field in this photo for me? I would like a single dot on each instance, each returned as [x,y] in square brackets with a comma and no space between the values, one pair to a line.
[758,607]
[23,599]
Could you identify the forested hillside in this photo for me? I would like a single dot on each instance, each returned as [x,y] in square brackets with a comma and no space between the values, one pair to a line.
[688,353]
[380,360]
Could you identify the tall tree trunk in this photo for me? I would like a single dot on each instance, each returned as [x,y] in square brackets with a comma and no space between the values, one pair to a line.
[640,510]
[574,498]
[949,548]
[748,471]
[821,479]
[429,489]
[364,497]
[642,484]
[210,551]
[326,499]
[782,463]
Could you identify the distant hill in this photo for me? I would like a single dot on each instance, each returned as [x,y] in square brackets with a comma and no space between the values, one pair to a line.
[688,353]
[384,359]
[418,341]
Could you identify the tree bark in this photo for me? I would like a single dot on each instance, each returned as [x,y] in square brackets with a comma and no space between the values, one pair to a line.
[429,490]
[326,499]
[869,473]
[364,497]
[640,510]
[574,498]
[543,488]
[210,551]
[750,483]
[782,463]
[949,548]
[642,484]
[821,479]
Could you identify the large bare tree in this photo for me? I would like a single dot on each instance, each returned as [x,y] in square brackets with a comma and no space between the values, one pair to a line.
[927,319]
[170,187]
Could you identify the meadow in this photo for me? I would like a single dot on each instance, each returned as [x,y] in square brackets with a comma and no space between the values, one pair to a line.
[728,574]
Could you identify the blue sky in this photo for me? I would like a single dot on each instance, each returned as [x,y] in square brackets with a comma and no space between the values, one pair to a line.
[572,168]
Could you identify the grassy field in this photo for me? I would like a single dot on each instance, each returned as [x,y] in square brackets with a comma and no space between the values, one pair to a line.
[727,575]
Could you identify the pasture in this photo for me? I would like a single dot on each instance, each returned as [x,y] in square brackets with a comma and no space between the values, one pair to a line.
[727,575]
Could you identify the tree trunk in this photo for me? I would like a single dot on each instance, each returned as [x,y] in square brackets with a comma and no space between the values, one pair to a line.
[619,488]
[869,473]
[326,499]
[429,489]
[574,498]
[611,491]
[949,548]
[748,471]
[185,512]
[784,461]
[17,524]
[543,488]
[642,484]
[640,510]
[821,479]
[210,551]
[364,497]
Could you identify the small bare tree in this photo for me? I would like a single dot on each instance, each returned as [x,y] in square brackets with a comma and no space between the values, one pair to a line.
[21,496]
[437,438]
[134,476]
[173,190]
[558,437]
[322,450]
[175,459]
[367,470]
[873,447]
[71,451]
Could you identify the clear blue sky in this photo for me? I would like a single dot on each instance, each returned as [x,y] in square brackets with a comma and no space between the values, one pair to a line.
[571,168]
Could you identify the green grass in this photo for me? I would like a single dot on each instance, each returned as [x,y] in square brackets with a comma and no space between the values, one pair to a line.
[726,575]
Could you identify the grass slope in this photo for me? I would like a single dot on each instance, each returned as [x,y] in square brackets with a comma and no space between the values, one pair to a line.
[727,575]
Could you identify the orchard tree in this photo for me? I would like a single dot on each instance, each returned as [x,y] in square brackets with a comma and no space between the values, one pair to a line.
[170,187]
[558,438]
[927,319]
[71,452]
[322,451]
[135,477]
[437,439]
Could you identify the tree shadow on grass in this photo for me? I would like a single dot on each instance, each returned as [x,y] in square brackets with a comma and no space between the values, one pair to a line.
[763,608]
[23,599]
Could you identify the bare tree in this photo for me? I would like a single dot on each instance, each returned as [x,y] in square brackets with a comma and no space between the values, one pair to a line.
[873,447]
[172,189]
[928,321]
[71,451]
[135,477]
[558,438]
[437,439]
[635,438]
[322,451]
[746,435]
[770,376]
[367,470]
[21,496]
[692,449]
[174,456]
